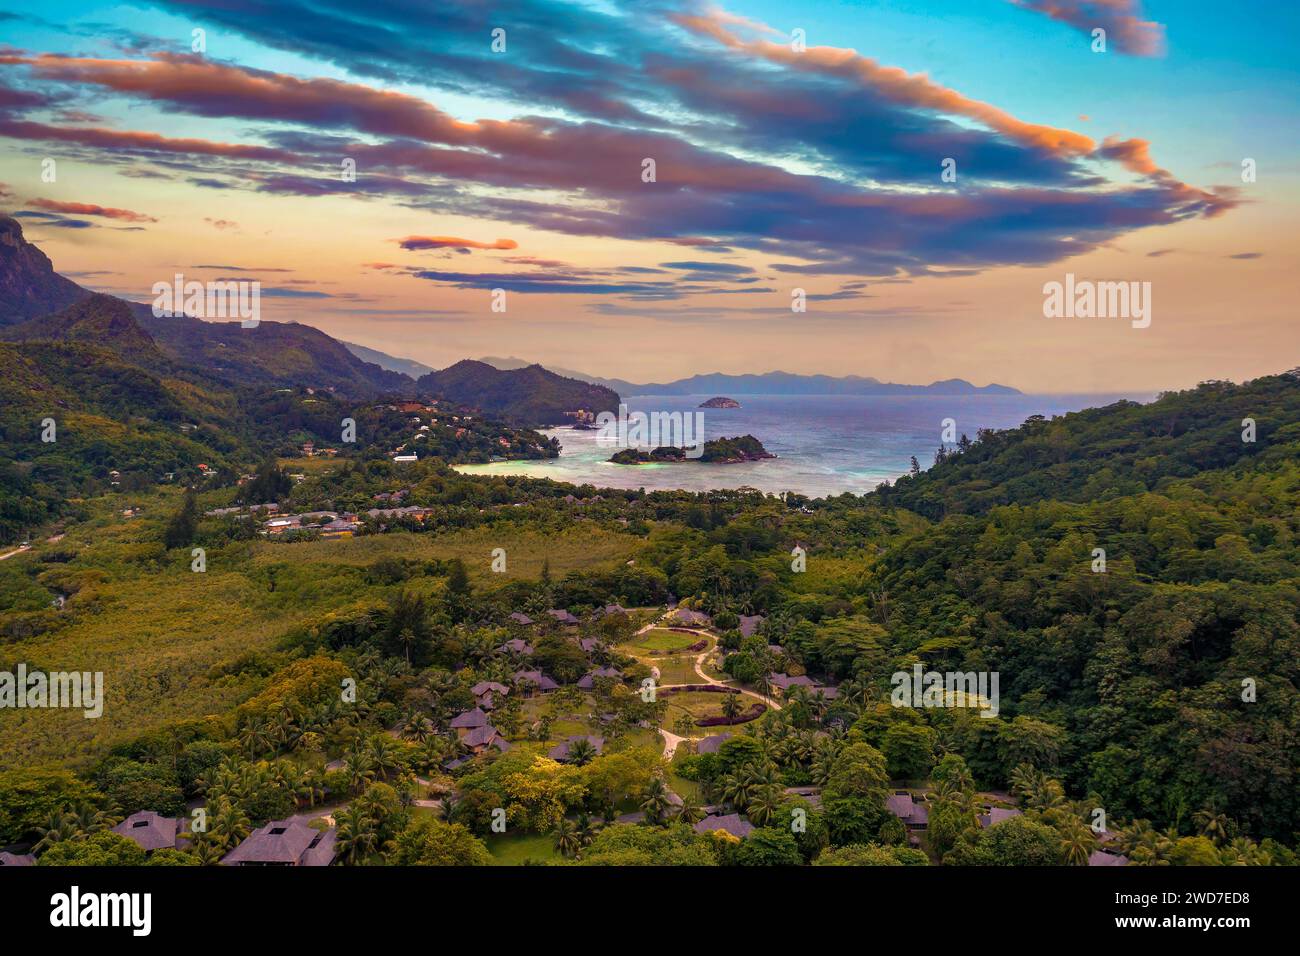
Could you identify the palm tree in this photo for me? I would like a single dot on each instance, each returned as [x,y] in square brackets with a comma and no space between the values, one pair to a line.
[208,848]
[656,803]
[384,755]
[88,818]
[255,738]
[1212,824]
[62,825]
[358,835]
[587,830]
[360,769]
[581,752]
[228,822]
[1077,842]
[731,706]
[567,841]
[417,727]
[765,804]
[691,811]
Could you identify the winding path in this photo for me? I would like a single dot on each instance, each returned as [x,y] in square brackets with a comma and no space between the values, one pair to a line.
[673,741]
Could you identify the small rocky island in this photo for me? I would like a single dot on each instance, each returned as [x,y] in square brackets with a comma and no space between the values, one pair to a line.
[720,451]
[720,401]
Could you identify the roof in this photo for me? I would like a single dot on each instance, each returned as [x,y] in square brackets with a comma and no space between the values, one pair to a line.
[612,609]
[484,686]
[1103,858]
[151,830]
[732,823]
[470,719]
[535,677]
[997,815]
[288,842]
[710,745]
[589,680]
[561,750]
[518,645]
[520,618]
[589,644]
[15,859]
[481,736]
[785,681]
[908,810]
[564,617]
[749,624]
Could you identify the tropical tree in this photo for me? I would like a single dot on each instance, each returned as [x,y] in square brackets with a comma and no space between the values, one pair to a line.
[565,835]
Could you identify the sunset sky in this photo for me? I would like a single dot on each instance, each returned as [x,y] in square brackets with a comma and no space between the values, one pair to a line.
[775,169]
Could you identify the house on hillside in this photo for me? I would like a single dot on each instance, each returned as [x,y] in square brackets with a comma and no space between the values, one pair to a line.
[288,842]
[914,814]
[152,831]
[749,624]
[517,645]
[531,682]
[17,859]
[469,720]
[520,618]
[481,738]
[564,617]
[782,683]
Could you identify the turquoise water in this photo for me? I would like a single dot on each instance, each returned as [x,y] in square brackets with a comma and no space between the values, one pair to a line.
[825,444]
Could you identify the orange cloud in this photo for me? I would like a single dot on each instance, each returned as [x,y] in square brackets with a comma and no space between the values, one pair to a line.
[89,209]
[896,84]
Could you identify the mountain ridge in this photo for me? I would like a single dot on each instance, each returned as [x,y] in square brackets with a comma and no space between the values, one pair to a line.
[775,382]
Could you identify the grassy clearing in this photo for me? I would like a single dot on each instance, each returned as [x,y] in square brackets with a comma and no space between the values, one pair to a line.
[173,644]
[518,849]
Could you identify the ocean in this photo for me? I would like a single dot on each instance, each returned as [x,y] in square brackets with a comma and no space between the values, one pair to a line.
[825,444]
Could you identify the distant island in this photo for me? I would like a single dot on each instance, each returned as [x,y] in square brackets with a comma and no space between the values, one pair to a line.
[720,451]
[719,401]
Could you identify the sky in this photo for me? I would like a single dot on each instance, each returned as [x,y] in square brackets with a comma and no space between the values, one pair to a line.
[649,189]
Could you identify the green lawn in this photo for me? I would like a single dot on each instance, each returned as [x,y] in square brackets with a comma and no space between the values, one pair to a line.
[679,669]
[661,639]
[516,849]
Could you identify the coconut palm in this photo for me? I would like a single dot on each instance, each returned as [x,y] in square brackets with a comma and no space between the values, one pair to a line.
[587,830]
[228,822]
[358,835]
[61,825]
[731,706]
[416,727]
[89,818]
[1212,824]
[765,804]
[565,835]
[691,811]
[656,803]
[581,752]
[1077,842]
